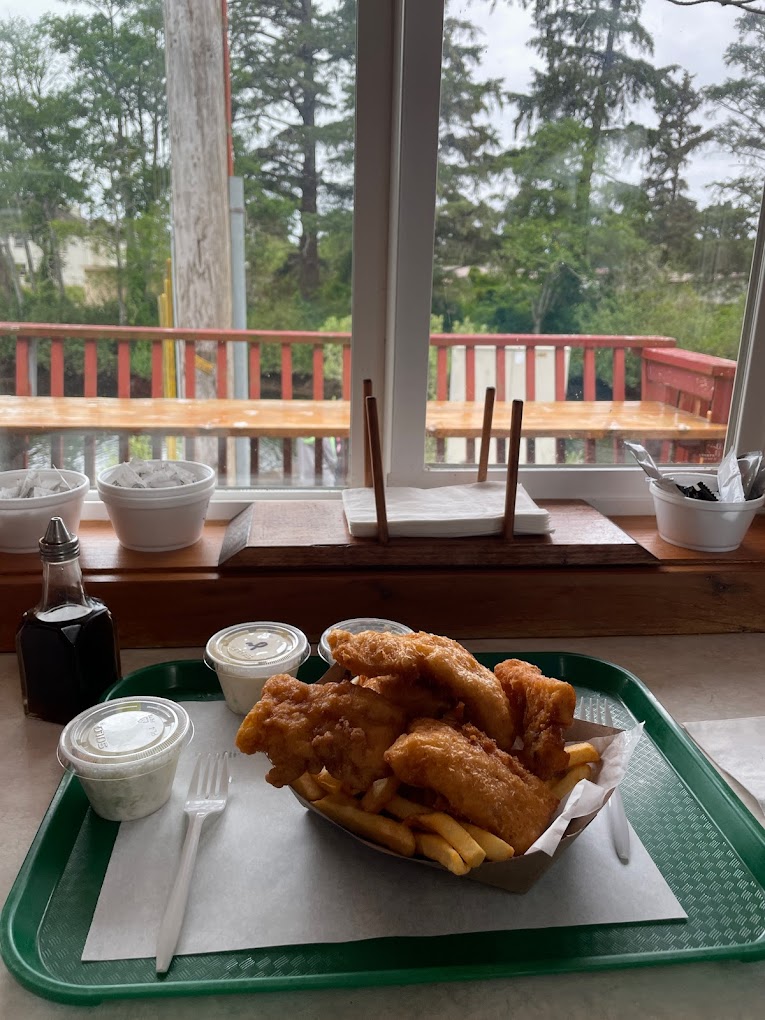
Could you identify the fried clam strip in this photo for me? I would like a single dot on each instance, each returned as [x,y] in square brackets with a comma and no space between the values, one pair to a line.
[437,662]
[479,782]
[304,727]
[547,707]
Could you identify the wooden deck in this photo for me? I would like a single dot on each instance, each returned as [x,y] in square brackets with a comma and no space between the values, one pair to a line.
[574,419]
[294,419]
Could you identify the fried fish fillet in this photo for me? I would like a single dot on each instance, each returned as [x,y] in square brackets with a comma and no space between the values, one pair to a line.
[443,664]
[547,708]
[479,782]
[304,727]
[374,653]
[454,669]
[416,697]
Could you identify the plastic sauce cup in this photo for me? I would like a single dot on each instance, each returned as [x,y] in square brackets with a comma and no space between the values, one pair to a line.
[125,753]
[356,626]
[246,655]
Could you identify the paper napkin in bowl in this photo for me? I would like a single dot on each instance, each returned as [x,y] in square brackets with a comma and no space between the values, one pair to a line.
[450,511]
[738,747]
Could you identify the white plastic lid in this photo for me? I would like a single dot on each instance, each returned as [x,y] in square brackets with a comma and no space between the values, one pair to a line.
[257,649]
[125,732]
[356,626]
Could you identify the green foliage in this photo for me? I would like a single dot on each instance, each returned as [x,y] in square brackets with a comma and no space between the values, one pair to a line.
[741,98]
[541,235]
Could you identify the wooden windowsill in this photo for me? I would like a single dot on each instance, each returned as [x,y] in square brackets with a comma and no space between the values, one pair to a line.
[180,598]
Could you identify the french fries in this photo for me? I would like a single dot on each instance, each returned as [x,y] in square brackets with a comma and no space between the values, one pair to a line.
[328,782]
[308,788]
[581,753]
[496,849]
[431,845]
[390,833]
[560,787]
[379,794]
[382,815]
[453,833]
[403,808]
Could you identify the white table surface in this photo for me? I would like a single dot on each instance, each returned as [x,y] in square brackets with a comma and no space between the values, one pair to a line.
[704,677]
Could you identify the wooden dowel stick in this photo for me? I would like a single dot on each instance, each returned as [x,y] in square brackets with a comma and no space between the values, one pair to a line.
[367,392]
[378,481]
[512,468]
[488,412]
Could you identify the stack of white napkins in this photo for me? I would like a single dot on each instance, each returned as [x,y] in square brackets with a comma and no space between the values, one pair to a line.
[451,511]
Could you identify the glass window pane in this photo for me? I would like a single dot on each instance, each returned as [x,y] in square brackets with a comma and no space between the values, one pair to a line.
[86,231]
[597,205]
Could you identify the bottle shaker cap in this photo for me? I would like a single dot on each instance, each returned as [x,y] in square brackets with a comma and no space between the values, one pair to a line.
[58,544]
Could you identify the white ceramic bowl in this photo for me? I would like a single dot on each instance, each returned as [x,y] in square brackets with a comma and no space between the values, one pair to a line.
[125,753]
[698,524]
[23,521]
[162,519]
[246,655]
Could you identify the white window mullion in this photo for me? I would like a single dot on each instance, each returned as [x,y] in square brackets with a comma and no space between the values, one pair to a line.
[413,202]
[373,137]
[747,417]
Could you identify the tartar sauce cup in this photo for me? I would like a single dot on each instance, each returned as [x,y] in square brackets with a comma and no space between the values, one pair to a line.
[246,655]
[125,753]
[356,626]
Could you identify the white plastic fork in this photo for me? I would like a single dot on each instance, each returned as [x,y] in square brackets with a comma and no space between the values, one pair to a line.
[596,710]
[208,793]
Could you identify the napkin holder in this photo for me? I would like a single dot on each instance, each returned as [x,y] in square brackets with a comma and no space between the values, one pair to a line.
[373,464]
[313,534]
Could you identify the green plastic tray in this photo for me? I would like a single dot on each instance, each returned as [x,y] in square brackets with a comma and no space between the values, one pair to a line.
[709,848]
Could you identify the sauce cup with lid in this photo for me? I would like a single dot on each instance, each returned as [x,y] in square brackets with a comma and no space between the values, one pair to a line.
[356,626]
[125,753]
[246,655]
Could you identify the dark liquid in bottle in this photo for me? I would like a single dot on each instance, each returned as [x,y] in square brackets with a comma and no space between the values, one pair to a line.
[67,658]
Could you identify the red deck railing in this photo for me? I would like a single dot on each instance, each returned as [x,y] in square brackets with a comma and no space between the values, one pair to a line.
[691,381]
[127,336]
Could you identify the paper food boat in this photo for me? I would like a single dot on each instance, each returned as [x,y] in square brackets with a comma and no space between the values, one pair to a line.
[575,813]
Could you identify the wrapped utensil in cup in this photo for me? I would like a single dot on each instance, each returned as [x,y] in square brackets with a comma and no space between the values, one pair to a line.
[704,525]
[750,465]
[246,655]
[730,487]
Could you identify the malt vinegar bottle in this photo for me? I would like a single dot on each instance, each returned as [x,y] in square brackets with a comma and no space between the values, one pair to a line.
[67,645]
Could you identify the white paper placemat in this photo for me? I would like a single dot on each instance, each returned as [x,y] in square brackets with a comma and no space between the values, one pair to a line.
[449,511]
[269,873]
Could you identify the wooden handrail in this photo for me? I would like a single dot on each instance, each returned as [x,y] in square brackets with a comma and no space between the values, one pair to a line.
[698,383]
[59,333]
[695,382]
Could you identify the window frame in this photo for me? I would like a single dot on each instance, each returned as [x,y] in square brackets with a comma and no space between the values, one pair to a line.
[399,44]
[612,489]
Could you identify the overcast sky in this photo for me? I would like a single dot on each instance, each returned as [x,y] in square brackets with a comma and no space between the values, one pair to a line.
[694,37]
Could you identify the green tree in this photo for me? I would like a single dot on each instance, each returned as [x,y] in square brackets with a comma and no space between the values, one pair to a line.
[593,72]
[543,243]
[116,60]
[292,66]
[671,217]
[741,100]
[40,153]
[468,151]
[726,234]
